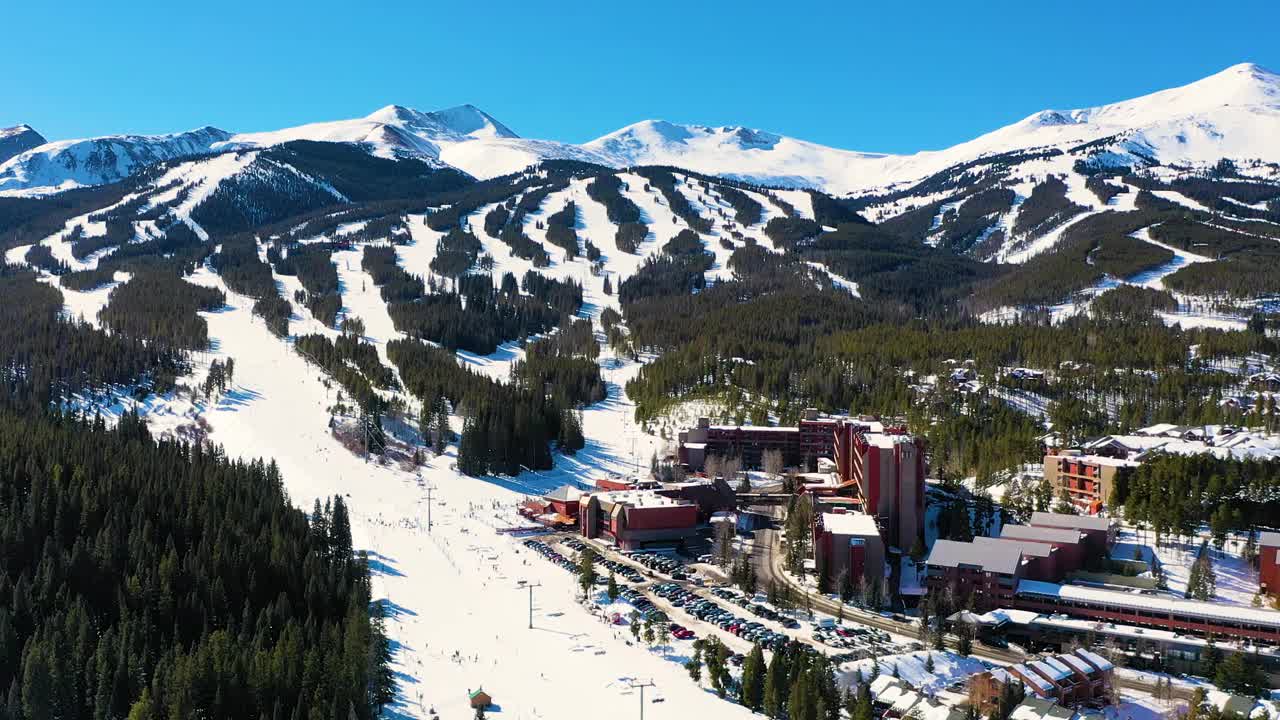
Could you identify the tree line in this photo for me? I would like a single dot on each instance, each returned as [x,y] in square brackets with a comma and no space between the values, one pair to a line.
[112,604]
[162,308]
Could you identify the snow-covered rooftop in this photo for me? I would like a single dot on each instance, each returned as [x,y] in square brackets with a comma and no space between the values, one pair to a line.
[850,524]
[639,498]
[1030,677]
[1149,603]
[565,493]
[1076,663]
[1062,670]
[1222,441]
[1019,617]
[882,683]
[1095,659]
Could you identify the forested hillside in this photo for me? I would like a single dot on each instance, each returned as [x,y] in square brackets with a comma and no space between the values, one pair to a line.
[112,604]
[762,300]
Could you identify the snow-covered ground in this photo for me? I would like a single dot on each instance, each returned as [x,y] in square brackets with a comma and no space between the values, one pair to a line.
[1237,582]
[457,610]
[948,669]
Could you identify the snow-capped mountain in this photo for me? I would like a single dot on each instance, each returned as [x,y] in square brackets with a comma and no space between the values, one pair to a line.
[463,137]
[95,161]
[392,131]
[738,152]
[1233,114]
[18,139]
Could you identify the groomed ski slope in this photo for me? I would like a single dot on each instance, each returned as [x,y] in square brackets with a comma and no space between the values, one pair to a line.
[454,589]
[455,607]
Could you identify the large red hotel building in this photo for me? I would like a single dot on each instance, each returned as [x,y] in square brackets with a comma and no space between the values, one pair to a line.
[884,464]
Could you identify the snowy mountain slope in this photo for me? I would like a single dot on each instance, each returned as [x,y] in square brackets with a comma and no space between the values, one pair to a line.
[737,152]
[95,161]
[392,131]
[1008,196]
[1170,135]
[18,139]
[1234,114]
[493,157]
[462,137]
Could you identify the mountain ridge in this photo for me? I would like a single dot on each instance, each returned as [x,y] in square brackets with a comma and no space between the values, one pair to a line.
[18,139]
[1234,113]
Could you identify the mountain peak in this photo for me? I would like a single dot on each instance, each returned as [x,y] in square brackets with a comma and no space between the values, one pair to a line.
[1243,84]
[472,121]
[463,120]
[1248,68]
[17,140]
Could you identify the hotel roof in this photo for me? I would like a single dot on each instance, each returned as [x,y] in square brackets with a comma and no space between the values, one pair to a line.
[1061,667]
[564,493]
[1079,522]
[1049,671]
[1153,603]
[638,498]
[1030,549]
[998,558]
[850,524]
[1030,677]
[1040,534]
[1076,664]
[1095,659]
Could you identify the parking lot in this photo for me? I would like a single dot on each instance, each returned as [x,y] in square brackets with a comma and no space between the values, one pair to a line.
[664,589]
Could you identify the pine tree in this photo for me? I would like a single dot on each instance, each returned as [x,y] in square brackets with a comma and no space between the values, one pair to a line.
[587,571]
[774,700]
[753,678]
[694,667]
[141,709]
[571,439]
[340,530]
[1064,506]
[865,710]
[800,697]
[612,589]
[427,423]
[1043,495]
[1210,658]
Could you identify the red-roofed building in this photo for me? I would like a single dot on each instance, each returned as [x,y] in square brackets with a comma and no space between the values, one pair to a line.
[635,519]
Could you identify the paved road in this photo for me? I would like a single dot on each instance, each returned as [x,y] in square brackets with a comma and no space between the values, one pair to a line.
[768,565]
[767,557]
[768,561]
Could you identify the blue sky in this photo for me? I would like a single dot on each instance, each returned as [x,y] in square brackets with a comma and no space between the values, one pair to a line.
[889,77]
